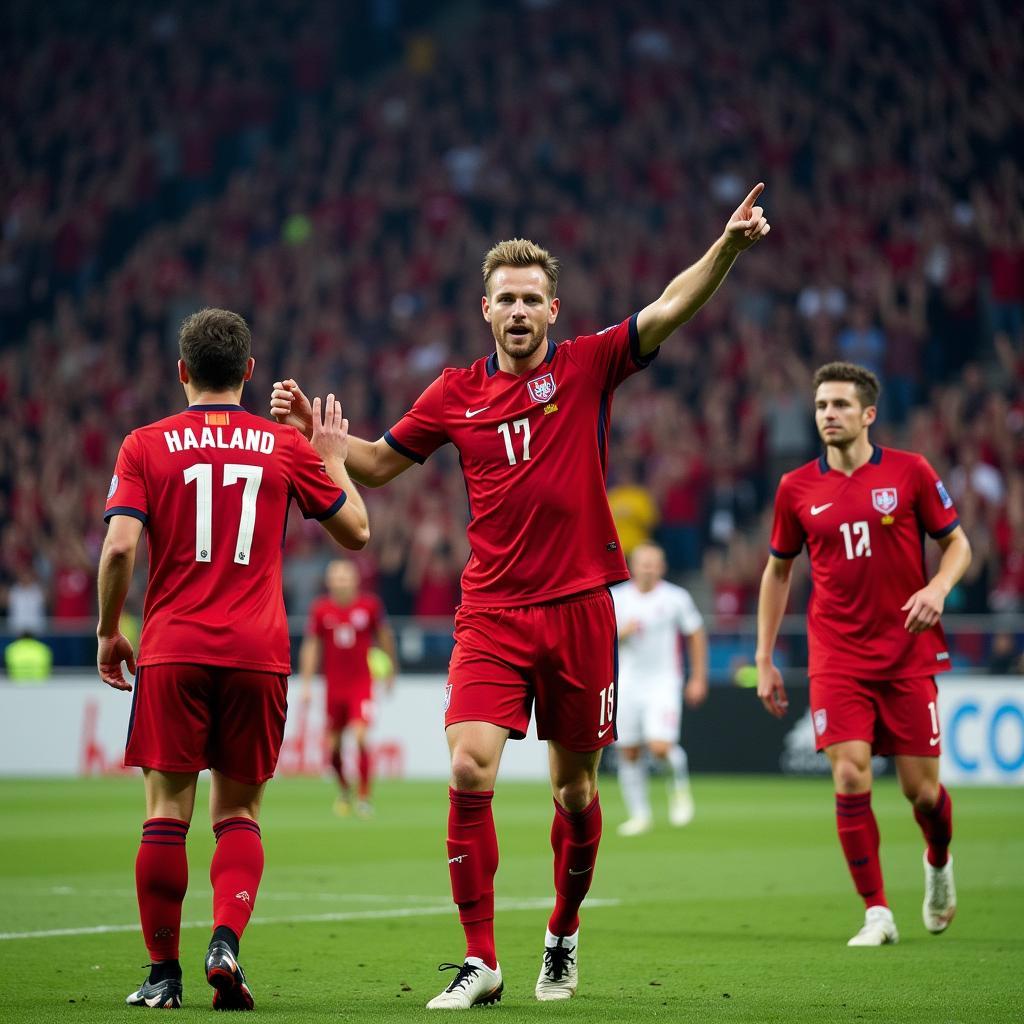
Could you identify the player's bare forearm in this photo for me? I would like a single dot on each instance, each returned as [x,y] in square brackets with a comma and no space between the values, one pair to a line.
[114,577]
[924,608]
[697,644]
[309,657]
[349,526]
[386,642]
[689,291]
[771,606]
[685,294]
[374,463]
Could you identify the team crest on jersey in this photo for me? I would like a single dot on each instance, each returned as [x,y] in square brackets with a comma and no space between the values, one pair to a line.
[542,389]
[113,486]
[820,722]
[884,500]
[360,618]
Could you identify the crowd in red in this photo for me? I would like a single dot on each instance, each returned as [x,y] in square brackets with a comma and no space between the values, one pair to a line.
[156,163]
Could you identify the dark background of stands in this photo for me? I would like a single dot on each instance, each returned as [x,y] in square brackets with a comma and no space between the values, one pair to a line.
[336,171]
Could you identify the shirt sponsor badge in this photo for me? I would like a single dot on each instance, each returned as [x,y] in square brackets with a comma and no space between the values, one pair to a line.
[884,500]
[113,486]
[542,389]
[947,501]
[820,721]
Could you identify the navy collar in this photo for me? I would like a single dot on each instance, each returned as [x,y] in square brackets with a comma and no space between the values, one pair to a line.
[876,458]
[199,407]
[492,359]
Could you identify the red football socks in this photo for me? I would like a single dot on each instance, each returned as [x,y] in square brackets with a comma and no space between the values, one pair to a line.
[364,773]
[574,838]
[472,864]
[937,826]
[339,771]
[161,878]
[858,834]
[235,872]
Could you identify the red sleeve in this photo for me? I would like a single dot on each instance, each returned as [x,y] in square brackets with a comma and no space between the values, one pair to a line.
[318,496]
[611,355]
[935,509]
[788,535]
[127,494]
[420,432]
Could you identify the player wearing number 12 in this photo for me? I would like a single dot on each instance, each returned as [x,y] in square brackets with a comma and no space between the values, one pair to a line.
[211,486]
[536,628]
[875,642]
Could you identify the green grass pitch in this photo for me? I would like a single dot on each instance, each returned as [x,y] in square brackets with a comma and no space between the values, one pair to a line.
[742,916]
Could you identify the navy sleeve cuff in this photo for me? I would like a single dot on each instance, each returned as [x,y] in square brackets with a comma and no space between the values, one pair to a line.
[402,450]
[945,531]
[125,510]
[785,554]
[634,345]
[327,513]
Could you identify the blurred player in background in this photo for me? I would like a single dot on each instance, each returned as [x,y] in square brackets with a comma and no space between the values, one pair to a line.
[874,635]
[536,624]
[651,615]
[342,628]
[211,485]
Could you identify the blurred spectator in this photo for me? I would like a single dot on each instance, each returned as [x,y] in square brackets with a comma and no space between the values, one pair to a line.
[1005,658]
[26,604]
[632,504]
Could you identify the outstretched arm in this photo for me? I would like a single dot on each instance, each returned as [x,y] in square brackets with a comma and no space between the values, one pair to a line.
[689,291]
[370,463]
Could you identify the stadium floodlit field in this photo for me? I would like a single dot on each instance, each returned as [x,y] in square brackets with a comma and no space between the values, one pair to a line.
[743,916]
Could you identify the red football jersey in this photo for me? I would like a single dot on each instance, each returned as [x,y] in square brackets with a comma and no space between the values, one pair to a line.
[534,451]
[346,635]
[213,484]
[865,539]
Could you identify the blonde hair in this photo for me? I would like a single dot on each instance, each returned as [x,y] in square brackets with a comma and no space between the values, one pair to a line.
[520,252]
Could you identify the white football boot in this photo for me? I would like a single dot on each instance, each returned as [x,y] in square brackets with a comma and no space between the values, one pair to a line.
[939,896]
[636,826]
[559,974]
[475,985]
[680,808]
[879,929]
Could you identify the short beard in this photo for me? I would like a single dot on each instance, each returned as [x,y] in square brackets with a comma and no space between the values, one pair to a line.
[516,353]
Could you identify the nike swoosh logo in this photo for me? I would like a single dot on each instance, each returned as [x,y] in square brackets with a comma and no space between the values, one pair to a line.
[816,510]
[583,872]
[470,413]
[934,740]
[601,732]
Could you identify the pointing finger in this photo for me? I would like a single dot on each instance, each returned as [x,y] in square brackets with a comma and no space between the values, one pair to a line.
[752,196]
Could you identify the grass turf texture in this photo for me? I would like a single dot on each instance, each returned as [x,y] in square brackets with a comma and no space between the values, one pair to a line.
[742,916]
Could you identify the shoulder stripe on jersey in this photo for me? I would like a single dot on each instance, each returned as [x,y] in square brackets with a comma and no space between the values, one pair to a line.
[125,510]
[876,455]
[401,449]
[785,554]
[634,345]
[946,530]
[551,351]
[341,499]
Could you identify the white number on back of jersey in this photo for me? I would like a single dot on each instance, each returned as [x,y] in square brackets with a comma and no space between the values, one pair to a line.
[857,539]
[202,475]
[522,425]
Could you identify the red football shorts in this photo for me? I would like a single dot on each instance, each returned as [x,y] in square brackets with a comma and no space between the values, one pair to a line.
[189,717]
[561,657]
[347,707]
[896,716]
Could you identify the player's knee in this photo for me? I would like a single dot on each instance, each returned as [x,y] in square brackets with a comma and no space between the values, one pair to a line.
[850,777]
[658,748]
[922,793]
[578,793]
[470,772]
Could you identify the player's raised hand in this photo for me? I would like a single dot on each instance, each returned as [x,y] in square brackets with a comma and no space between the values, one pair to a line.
[330,434]
[111,651]
[747,225]
[289,405]
[923,609]
[772,690]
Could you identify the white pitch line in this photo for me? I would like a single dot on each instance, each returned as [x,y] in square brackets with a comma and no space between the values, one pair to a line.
[353,915]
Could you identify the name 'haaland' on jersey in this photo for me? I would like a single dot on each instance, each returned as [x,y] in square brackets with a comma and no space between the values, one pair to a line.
[216,437]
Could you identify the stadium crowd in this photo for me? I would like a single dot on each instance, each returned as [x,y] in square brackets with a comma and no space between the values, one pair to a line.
[339,189]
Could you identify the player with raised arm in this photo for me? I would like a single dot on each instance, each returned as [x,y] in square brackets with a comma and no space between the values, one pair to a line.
[342,626]
[652,614]
[536,628]
[211,486]
[874,637]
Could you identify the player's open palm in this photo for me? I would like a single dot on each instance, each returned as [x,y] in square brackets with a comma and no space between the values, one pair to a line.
[772,690]
[111,651]
[747,225]
[290,406]
[330,429]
